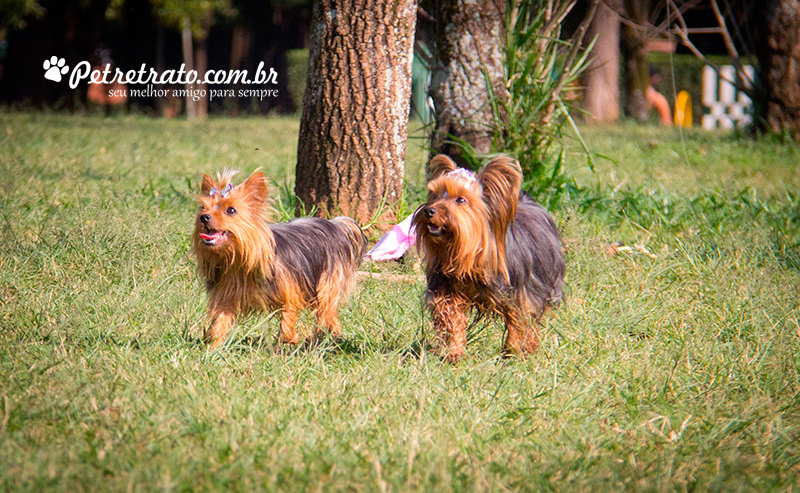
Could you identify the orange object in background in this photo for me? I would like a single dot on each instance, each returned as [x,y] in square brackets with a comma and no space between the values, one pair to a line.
[659,102]
[683,110]
[99,93]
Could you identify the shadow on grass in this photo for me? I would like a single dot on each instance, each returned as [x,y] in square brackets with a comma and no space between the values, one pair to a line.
[324,347]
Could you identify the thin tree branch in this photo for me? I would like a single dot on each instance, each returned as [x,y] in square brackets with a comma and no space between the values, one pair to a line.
[726,37]
[577,41]
[682,34]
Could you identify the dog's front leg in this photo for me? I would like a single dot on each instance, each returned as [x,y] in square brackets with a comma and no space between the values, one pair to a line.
[220,323]
[450,322]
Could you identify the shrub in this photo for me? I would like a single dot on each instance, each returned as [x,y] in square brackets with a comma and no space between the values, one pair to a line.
[541,74]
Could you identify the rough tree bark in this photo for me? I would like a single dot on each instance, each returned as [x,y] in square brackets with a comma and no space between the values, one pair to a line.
[469,42]
[601,96]
[779,58]
[353,131]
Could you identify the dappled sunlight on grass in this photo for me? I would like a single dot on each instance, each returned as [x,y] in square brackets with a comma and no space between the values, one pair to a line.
[672,364]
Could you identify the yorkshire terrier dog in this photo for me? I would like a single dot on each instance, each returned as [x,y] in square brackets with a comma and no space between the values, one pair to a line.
[249,265]
[489,247]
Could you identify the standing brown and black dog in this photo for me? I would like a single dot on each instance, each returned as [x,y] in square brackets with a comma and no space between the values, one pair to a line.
[251,265]
[489,247]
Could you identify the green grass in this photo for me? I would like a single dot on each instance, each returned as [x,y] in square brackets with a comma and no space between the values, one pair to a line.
[656,157]
[676,369]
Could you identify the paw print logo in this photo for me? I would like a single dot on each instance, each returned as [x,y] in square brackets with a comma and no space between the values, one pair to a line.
[54,68]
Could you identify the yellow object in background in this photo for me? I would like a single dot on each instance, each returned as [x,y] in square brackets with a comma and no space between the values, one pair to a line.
[683,110]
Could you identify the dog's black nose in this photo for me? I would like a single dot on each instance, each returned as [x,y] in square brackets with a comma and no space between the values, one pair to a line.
[429,212]
[204,218]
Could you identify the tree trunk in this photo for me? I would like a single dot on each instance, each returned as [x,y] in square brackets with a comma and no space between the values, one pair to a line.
[469,42]
[353,131]
[201,65]
[779,58]
[160,67]
[241,40]
[188,60]
[279,44]
[634,47]
[601,97]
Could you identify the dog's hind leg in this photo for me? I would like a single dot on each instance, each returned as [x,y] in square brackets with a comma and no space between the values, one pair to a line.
[288,322]
[521,337]
[329,294]
[328,319]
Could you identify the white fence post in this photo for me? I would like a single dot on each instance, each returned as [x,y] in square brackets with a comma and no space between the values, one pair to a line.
[727,106]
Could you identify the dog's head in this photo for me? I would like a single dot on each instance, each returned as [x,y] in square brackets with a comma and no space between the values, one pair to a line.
[461,228]
[230,223]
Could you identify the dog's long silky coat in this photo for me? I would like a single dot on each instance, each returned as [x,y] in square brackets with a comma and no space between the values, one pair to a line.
[249,264]
[487,246]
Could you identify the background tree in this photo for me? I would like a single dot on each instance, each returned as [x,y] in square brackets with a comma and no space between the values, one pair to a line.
[194,18]
[14,12]
[779,60]
[12,16]
[601,80]
[765,35]
[353,130]
[635,36]
[265,31]
[642,21]
[467,66]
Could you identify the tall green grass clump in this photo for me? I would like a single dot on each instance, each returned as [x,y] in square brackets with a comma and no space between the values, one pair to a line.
[541,75]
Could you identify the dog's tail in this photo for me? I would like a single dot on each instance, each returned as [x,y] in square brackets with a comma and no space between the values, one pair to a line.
[358,241]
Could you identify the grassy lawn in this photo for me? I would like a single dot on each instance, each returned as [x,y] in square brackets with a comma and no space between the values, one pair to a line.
[674,364]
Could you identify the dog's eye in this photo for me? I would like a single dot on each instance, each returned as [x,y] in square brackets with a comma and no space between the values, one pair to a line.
[461,200]
[230,211]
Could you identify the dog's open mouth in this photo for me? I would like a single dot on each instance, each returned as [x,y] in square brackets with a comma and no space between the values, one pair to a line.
[213,237]
[435,231]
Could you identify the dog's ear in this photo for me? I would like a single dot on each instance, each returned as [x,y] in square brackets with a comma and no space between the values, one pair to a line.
[254,189]
[501,180]
[207,184]
[439,165]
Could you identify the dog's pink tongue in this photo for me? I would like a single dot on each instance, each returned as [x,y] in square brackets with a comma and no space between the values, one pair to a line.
[211,236]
